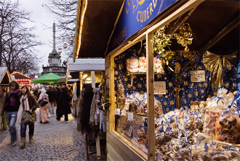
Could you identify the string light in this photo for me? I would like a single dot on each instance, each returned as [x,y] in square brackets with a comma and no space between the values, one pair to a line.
[81,26]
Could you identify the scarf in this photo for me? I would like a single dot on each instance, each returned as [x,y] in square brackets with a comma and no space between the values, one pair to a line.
[12,97]
[23,106]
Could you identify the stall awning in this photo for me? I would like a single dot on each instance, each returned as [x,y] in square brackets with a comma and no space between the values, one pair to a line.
[86,65]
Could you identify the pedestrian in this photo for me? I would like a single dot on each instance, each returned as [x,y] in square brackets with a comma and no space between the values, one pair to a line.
[27,104]
[11,106]
[70,92]
[64,107]
[43,109]
[57,95]
[51,96]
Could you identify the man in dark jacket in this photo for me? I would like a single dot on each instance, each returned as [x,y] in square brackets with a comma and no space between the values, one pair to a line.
[51,97]
[57,95]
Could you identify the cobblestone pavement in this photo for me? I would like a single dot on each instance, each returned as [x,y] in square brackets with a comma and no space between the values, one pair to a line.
[55,141]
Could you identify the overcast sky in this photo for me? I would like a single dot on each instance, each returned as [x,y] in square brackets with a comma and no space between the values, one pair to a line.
[44,20]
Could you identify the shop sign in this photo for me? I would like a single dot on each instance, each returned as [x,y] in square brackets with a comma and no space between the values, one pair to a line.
[159,87]
[134,16]
[198,76]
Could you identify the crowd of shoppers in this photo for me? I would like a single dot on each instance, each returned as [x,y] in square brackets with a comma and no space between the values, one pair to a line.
[20,106]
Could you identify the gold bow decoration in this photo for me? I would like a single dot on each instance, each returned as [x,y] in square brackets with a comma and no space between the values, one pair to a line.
[217,64]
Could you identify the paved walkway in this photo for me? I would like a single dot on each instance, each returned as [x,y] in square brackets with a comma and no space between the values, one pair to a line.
[57,141]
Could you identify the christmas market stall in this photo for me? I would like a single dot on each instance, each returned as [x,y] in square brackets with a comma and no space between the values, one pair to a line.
[87,73]
[4,87]
[21,78]
[172,79]
[173,83]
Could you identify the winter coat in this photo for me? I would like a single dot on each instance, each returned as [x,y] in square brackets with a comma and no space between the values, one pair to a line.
[86,105]
[51,95]
[57,95]
[33,105]
[63,106]
[16,96]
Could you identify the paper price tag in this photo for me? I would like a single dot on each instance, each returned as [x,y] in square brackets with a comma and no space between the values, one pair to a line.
[117,111]
[159,87]
[123,113]
[130,116]
[198,76]
[130,131]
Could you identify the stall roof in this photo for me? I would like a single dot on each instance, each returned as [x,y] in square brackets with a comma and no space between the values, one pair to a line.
[95,23]
[19,75]
[4,75]
[87,64]
[207,21]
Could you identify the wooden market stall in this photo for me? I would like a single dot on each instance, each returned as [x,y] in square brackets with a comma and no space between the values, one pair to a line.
[87,71]
[4,87]
[22,79]
[199,30]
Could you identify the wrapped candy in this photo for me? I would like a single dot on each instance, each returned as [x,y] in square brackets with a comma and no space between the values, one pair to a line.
[120,97]
[133,106]
[228,127]
[158,65]
[236,102]
[214,110]
[142,64]
[158,107]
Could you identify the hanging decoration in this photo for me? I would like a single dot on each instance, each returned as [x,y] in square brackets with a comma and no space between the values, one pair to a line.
[217,64]
[161,41]
[104,101]
[178,68]
[184,36]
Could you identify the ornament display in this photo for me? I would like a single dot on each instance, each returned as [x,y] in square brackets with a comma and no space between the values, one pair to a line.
[217,64]
[184,36]
[178,68]
[161,41]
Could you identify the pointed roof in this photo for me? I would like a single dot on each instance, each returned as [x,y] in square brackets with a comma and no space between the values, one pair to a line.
[19,75]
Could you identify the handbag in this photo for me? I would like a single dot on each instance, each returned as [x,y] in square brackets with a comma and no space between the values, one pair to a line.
[28,117]
[43,101]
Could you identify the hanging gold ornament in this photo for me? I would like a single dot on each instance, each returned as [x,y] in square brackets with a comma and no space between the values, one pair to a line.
[217,64]
[184,36]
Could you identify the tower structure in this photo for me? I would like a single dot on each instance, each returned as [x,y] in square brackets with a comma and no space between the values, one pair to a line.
[54,60]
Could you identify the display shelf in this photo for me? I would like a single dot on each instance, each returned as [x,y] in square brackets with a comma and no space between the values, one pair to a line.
[138,73]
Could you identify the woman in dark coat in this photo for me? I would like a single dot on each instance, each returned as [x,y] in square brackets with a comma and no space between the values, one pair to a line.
[85,109]
[64,107]
[11,106]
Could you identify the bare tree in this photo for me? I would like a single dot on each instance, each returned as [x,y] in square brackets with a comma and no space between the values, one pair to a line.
[16,41]
[66,10]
